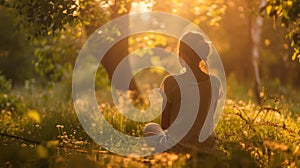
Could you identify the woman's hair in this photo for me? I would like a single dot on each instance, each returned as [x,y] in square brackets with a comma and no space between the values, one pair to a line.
[193,48]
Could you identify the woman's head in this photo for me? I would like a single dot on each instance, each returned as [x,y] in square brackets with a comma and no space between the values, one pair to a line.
[193,49]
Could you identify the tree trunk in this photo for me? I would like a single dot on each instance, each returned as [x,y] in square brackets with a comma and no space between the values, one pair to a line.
[118,52]
[256,26]
[244,41]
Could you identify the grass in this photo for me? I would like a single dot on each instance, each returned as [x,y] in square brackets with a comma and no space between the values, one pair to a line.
[249,135]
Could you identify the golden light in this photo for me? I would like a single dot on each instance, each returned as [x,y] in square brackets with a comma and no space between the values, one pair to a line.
[174,10]
[267,42]
[197,10]
[141,6]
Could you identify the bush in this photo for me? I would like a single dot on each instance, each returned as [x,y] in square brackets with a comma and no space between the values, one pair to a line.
[11,104]
[5,84]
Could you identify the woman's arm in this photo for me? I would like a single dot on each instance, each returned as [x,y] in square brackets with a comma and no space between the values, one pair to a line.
[165,119]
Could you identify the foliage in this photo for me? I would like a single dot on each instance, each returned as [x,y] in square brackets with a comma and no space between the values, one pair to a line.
[55,56]
[11,104]
[207,12]
[42,18]
[45,18]
[59,29]
[217,18]
[5,84]
[288,12]
[15,52]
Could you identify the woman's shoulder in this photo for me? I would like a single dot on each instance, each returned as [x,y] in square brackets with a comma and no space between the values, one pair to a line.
[170,79]
[169,84]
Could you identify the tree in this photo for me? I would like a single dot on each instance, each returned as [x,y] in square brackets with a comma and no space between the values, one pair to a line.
[49,18]
[15,53]
[288,11]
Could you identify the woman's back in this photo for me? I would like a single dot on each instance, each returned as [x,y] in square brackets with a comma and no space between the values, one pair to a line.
[206,90]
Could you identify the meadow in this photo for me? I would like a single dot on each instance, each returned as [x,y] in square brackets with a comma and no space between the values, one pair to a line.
[39,128]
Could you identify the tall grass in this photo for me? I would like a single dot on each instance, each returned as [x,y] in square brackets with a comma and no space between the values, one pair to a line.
[249,135]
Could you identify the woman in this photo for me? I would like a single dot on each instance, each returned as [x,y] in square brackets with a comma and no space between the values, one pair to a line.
[176,90]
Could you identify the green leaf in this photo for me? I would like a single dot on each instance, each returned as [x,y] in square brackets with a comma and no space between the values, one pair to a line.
[268,10]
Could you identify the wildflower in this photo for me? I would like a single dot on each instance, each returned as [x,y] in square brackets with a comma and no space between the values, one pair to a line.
[23,145]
